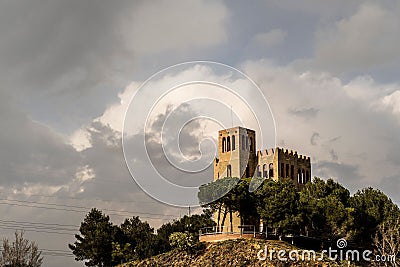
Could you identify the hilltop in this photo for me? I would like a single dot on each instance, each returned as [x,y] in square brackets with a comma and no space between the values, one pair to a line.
[321,210]
[241,252]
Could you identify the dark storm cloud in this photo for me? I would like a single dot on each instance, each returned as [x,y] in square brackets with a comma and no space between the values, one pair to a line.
[306,113]
[68,59]
[50,39]
[171,155]
[335,139]
[333,155]
[313,139]
[59,55]
[345,173]
[31,153]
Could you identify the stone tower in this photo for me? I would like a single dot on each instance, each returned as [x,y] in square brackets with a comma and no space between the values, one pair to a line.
[238,157]
[237,153]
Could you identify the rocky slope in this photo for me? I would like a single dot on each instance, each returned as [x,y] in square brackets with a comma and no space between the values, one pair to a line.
[230,253]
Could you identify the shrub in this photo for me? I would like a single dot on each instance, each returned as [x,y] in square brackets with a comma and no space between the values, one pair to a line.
[185,242]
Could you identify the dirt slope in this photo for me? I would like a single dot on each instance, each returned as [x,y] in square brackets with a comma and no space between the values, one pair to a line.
[230,253]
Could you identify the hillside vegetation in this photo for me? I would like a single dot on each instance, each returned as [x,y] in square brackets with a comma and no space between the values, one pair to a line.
[239,252]
[323,211]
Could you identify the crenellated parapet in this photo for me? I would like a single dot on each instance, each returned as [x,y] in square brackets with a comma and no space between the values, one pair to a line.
[303,158]
[265,153]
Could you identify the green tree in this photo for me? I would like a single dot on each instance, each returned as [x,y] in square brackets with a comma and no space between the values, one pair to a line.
[324,209]
[217,196]
[371,208]
[191,224]
[122,254]
[228,195]
[94,243]
[245,202]
[20,253]
[135,238]
[277,206]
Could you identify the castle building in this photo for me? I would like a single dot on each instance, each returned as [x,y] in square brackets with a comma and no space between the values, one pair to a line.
[238,157]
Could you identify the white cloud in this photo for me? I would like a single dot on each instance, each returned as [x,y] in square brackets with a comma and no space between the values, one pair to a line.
[114,115]
[378,97]
[369,38]
[355,134]
[392,101]
[166,92]
[351,119]
[79,139]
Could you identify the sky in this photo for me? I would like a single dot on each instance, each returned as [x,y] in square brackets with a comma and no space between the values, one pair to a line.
[79,77]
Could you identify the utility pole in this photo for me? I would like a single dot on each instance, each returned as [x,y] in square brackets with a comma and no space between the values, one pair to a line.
[189,225]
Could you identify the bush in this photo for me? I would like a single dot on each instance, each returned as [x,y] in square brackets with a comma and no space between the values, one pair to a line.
[185,242]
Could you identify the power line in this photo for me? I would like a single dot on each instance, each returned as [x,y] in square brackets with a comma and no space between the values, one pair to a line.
[53,252]
[37,231]
[40,223]
[36,226]
[83,207]
[46,228]
[121,213]
[81,211]
[63,229]
[92,199]
[58,255]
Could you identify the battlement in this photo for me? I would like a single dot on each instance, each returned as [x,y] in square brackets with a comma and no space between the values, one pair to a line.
[292,153]
[288,153]
[265,152]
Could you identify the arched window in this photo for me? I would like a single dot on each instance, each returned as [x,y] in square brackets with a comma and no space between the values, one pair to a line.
[303,177]
[243,142]
[247,143]
[251,143]
[271,170]
[233,142]
[228,143]
[292,172]
[299,176]
[223,144]
[265,171]
[258,171]
[229,170]
[287,171]
[307,176]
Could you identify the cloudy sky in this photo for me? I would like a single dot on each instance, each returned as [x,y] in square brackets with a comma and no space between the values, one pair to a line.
[329,71]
